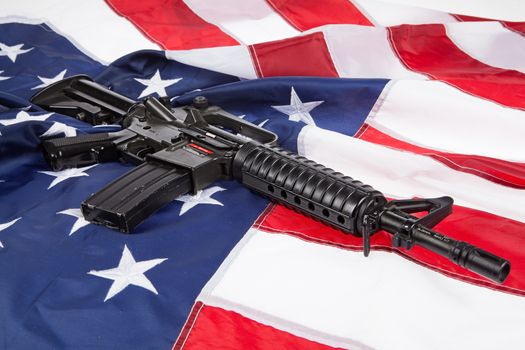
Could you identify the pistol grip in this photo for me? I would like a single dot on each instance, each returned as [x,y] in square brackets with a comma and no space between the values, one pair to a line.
[78,151]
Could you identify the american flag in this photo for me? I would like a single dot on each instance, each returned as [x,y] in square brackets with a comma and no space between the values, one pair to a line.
[413,101]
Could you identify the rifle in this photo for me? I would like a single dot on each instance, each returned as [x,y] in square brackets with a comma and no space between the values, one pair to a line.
[184,149]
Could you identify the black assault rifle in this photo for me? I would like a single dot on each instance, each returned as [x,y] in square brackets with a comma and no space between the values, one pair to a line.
[184,149]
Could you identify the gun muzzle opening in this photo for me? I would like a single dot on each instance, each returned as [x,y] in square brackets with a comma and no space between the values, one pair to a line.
[483,263]
[465,255]
[503,272]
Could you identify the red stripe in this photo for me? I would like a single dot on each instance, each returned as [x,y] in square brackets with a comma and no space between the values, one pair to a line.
[427,49]
[518,27]
[188,326]
[216,328]
[305,55]
[500,171]
[498,235]
[465,18]
[308,14]
[171,24]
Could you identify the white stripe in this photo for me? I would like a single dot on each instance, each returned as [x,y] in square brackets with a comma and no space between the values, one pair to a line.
[509,10]
[490,43]
[208,297]
[436,115]
[364,52]
[384,301]
[249,21]
[234,60]
[90,25]
[387,14]
[402,174]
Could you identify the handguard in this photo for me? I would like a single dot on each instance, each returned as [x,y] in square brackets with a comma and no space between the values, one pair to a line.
[185,149]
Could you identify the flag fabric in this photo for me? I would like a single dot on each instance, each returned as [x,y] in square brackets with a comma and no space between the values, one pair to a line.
[415,102]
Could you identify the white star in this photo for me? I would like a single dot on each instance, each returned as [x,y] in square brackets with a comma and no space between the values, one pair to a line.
[79,223]
[63,175]
[12,51]
[128,272]
[23,116]
[297,110]
[202,197]
[261,124]
[156,85]
[49,81]
[3,78]
[6,225]
[60,128]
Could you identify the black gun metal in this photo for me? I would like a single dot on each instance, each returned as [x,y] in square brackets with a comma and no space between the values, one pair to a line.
[184,149]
